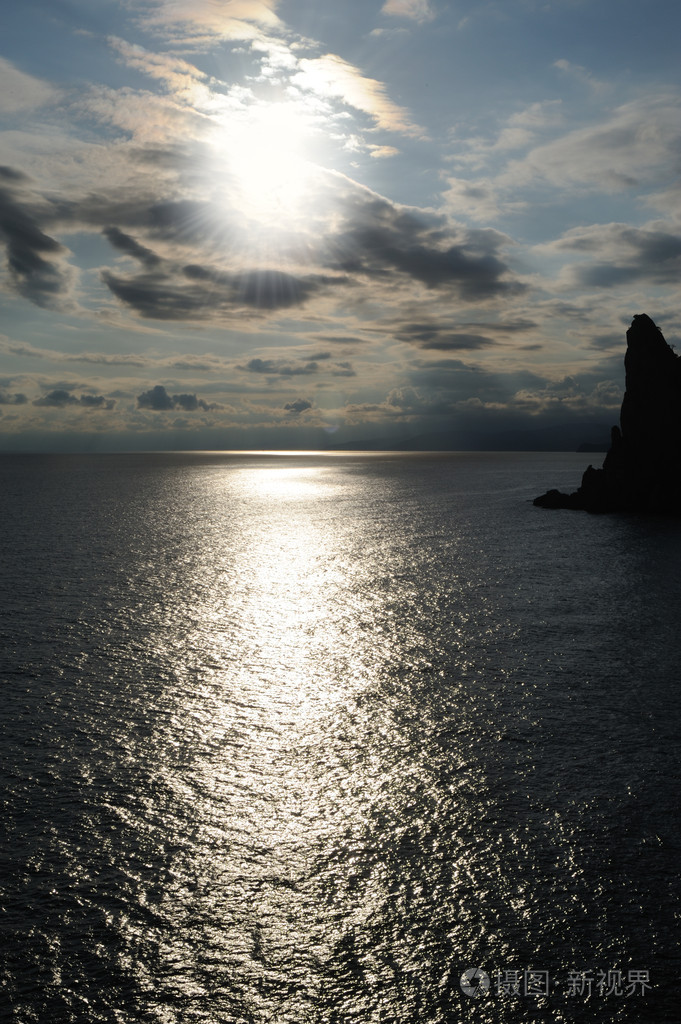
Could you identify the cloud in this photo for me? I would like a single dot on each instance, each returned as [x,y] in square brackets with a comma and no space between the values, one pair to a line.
[624,254]
[20,92]
[581,74]
[417,10]
[406,399]
[128,245]
[519,130]
[382,152]
[429,334]
[279,368]
[522,127]
[358,240]
[454,342]
[445,335]
[158,399]
[225,19]
[177,74]
[378,237]
[343,370]
[36,262]
[300,405]
[60,399]
[341,339]
[363,237]
[635,144]
[275,289]
[159,122]
[164,289]
[476,200]
[163,295]
[331,76]
[189,361]
[12,399]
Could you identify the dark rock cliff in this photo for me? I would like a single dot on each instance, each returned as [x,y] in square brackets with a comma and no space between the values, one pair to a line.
[641,471]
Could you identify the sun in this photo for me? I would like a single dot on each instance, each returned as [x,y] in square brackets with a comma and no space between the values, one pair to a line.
[263,154]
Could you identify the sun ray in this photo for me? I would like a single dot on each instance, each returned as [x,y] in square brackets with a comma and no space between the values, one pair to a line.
[263,155]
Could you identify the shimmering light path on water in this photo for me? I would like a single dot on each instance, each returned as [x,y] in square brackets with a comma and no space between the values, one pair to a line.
[302,739]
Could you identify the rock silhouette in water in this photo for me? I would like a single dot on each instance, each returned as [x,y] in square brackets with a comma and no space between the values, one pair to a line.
[641,469]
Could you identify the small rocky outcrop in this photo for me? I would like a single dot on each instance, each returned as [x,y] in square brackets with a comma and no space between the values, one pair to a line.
[641,471]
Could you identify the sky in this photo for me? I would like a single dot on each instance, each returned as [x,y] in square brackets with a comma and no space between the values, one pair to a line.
[309,224]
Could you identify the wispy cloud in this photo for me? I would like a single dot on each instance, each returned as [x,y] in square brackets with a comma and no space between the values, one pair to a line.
[417,10]
[582,75]
[635,144]
[331,76]
[280,368]
[619,254]
[205,19]
[20,92]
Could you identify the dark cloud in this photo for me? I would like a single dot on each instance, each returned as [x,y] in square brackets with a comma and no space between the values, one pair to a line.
[627,255]
[162,295]
[190,403]
[463,381]
[456,342]
[273,289]
[96,402]
[158,399]
[372,241]
[508,327]
[12,174]
[35,260]
[445,336]
[279,368]
[159,297]
[128,245]
[180,221]
[57,398]
[473,391]
[343,370]
[379,239]
[60,398]
[12,399]
[606,341]
[300,405]
[430,336]
[605,275]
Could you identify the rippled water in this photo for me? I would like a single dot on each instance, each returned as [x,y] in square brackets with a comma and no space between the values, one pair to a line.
[300,739]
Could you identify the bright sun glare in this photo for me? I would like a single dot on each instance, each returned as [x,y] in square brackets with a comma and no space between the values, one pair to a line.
[265,154]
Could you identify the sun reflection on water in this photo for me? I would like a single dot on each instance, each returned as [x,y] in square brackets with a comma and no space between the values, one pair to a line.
[261,680]
[308,737]
[337,774]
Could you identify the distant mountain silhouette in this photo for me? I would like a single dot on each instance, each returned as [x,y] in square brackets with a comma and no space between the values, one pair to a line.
[594,446]
[641,469]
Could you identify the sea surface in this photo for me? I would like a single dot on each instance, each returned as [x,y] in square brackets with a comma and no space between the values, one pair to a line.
[300,739]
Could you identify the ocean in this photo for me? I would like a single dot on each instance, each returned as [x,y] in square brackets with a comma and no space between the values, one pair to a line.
[335,739]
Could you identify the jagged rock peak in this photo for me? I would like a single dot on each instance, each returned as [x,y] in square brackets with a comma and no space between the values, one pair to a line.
[641,472]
